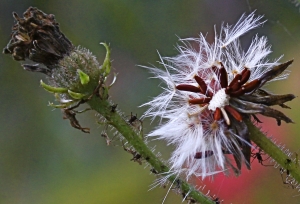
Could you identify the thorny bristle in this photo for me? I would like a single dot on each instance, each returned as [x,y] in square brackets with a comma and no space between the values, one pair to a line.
[117,136]
[175,186]
[286,177]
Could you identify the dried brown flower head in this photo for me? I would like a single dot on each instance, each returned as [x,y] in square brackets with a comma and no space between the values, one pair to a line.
[37,37]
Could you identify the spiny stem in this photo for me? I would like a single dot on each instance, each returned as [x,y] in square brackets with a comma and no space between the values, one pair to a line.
[104,108]
[263,142]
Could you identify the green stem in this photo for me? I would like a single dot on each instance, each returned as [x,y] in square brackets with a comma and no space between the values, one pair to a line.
[263,142]
[104,108]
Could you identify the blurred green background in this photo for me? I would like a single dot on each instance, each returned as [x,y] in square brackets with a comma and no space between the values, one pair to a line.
[44,160]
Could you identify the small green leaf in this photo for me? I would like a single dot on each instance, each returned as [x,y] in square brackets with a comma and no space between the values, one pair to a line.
[75,95]
[84,78]
[52,89]
[106,67]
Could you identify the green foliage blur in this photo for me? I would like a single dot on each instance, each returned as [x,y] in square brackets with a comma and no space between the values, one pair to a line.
[44,160]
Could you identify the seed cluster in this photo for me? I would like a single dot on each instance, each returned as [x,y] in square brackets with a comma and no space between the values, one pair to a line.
[237,87]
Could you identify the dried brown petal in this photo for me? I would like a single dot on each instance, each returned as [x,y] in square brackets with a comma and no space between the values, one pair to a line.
[241,129]
[274,72]
[268,99]
[254,108]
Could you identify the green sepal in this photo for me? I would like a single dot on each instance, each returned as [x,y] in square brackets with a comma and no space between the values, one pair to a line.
[75,95]
[52,89]
[106,64]
[114,80]
[84,78]
[103,92]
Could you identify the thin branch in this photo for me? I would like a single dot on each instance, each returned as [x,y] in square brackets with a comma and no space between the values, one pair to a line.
[263,142]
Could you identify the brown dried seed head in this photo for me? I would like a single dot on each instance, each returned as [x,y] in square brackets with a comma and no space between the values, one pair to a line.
[37,37]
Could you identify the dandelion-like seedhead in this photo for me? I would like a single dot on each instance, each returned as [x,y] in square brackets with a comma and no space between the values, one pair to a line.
[210,91]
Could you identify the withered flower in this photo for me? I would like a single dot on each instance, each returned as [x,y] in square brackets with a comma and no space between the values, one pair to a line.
[37,37]
[211,91]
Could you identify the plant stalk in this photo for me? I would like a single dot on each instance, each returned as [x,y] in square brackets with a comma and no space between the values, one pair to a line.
[104,108]
[263,142]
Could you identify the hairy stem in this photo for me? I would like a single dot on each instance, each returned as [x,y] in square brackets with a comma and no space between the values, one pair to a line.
[273,151]
[104,108]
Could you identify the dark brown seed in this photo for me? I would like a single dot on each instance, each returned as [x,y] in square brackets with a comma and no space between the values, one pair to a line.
[251,86]
[245,76]
[223,78]
[217,114]
[237,93]
[234,113]
[187,87]
[202,85]
[199,100]
[199,155]
[235,79]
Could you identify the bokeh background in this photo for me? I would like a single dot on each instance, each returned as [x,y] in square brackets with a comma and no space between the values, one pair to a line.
[44,160]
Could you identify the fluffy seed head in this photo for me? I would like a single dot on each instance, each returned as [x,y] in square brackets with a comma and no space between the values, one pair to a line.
[209,90]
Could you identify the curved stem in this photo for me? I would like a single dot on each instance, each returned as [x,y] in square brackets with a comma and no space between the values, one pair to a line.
[273,151]
[104,108]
